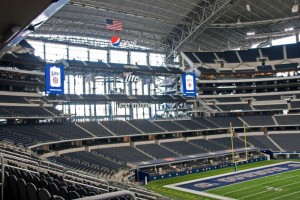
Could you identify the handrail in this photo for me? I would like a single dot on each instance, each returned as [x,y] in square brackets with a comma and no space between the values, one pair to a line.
[19,168]
[14,154]
[48,165]
[145,192]
[25,160]
[111,195]
[2,176]
[87,176]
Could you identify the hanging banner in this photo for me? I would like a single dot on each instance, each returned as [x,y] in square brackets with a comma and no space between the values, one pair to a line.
[54,79]
[189,84]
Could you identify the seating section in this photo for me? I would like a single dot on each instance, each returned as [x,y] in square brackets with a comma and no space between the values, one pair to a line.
[21,184]
[25,134]
[146,126]
[5,113]
[126,154]
[206,57]
[259,120]
[289,142]
[225,121]
[265,68]
[190,125]
[229,99]
[65,130]
[288,119]
[89,162]
[271,107]
[183,148]
[169,126]
[95,128]
[283,67]
[226,142]
[208,145]
[295,104]
[228,56]
[230,107]
[267,98]
[262,142]
[273,53]
[53,110]
[191,56]
[249,55]
[120,127]
[12,99]
[156,151]
[207,70]
[292,50]
[27,111]
[205,123]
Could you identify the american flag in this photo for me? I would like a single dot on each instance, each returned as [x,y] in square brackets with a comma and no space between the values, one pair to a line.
[114,24]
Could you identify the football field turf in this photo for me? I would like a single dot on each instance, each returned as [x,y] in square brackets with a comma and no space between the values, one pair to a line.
[279,185]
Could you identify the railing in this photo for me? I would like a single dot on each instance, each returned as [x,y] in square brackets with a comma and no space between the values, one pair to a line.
[145,193]
[129,195]
[23,160]
[2,176]
[79,175]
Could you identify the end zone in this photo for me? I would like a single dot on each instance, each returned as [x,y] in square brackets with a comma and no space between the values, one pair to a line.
[199,186]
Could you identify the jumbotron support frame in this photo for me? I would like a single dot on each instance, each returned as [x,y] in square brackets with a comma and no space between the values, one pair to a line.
[204,14]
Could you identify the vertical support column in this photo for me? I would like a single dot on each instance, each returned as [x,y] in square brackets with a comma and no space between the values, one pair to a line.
[297,37]
[68,53]
[95,111]
[108,55]
[148,58]
[128,57]
[130,93]
[75,112]
[83,84]
[115,83]
[44,47]
[88,55]
[104,85]
[149,93]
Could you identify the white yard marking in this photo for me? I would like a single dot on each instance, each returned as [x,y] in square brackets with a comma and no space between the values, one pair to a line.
[268,190]
[176,185]
[245,188]
[286,195]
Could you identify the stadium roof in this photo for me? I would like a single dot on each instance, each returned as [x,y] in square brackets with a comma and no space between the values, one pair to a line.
[170,25]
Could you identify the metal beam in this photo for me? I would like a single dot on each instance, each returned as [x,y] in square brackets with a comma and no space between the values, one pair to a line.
[206,13]
[253,23]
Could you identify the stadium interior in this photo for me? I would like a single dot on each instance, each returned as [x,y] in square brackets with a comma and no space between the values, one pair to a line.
[188,86]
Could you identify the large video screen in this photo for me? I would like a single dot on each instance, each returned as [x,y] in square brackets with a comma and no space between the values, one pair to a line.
[54,79]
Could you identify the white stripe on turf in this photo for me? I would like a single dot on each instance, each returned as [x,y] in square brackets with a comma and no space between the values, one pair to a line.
[245,188]
[268,190]
[286,195]
[199,193]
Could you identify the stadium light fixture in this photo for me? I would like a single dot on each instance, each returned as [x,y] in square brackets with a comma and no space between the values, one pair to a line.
[289,29]
[248,7]
[295,8]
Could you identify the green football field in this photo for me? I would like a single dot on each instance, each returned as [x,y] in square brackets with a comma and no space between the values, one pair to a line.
[281,186]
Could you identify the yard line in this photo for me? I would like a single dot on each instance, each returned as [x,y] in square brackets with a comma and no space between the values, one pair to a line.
[268,190]
[250,180]
[286,195]
[232,191]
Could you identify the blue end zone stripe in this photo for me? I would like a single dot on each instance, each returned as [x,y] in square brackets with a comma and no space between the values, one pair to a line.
[220,181]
